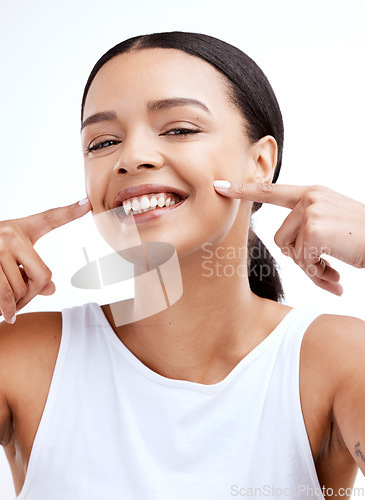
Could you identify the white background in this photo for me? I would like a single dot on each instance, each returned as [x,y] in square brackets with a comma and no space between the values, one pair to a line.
[312,52]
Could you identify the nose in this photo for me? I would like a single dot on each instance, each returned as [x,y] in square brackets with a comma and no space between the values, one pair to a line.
[137,153]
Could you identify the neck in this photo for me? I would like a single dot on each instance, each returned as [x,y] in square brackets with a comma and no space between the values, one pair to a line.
[214,324]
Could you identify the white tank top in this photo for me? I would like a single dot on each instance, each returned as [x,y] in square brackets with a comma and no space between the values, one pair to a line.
[114,429]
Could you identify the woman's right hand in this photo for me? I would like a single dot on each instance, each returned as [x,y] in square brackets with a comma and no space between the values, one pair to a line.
[23,274]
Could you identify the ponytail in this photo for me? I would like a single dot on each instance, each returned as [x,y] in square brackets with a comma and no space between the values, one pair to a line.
[263,273]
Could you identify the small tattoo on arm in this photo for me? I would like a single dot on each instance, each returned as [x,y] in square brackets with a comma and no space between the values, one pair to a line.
[358,452]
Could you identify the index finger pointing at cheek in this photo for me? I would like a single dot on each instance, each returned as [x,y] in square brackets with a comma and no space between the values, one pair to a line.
[283,195]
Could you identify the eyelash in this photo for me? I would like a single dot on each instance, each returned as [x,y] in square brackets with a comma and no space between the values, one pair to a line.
[107,143]
[101,145]
[182,131]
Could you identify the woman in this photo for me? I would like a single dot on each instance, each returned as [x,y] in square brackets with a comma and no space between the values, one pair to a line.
[203,399]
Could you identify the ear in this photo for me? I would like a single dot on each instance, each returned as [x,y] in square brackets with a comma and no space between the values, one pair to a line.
[265,153]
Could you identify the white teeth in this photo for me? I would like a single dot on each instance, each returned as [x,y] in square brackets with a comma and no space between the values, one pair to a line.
[161,202]
[135,205]
[145,202]
[127,205]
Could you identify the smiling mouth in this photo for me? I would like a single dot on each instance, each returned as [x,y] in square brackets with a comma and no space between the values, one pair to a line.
[148,207]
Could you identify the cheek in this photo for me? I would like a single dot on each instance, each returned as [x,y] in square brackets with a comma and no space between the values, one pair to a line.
[214,214]
[218,158]
[202,165]
[96,186]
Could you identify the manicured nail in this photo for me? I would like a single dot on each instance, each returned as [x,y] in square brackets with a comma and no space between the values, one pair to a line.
[84,201]
[222,184]
[12,321]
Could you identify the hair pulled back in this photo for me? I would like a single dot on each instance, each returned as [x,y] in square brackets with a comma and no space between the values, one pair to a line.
[250,91]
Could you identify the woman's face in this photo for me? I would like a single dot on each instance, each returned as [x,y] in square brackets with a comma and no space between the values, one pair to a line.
[169,122]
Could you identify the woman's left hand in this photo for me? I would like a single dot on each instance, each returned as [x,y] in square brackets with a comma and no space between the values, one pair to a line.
[321,222]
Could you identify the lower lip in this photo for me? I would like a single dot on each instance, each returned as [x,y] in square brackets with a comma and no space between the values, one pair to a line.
[151,215]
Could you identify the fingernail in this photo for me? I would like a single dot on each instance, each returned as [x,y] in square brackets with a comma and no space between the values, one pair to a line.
[222,184]
[12,321]
[84,201]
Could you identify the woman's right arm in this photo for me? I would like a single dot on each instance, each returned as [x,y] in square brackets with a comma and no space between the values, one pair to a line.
[23,274]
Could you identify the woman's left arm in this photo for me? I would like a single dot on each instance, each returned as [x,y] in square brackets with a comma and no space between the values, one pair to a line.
[343,357]
[321,221]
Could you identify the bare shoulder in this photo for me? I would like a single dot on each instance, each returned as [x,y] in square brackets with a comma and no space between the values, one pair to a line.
[31,333]
[336,340]
[333,348]
[28,353]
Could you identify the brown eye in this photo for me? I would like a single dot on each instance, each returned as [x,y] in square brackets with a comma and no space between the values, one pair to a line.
[102,144]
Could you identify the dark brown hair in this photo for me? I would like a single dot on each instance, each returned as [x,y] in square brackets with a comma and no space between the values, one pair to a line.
[252,94]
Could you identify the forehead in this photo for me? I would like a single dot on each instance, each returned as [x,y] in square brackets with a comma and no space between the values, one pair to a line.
[143,75]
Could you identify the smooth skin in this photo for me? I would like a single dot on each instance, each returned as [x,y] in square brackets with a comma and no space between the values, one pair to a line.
[144,144]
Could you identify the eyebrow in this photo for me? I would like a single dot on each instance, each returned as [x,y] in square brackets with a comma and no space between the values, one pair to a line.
[161,104]
[102,116]
[175,102]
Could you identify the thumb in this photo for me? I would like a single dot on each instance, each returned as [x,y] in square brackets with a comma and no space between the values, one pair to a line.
[49,289]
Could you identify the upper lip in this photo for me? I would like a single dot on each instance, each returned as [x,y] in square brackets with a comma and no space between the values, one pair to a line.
[132,191]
